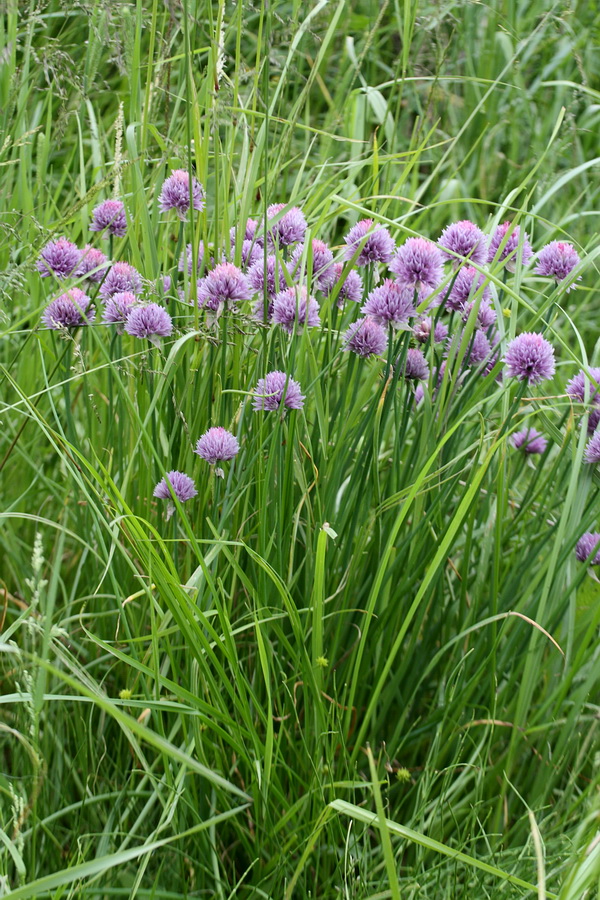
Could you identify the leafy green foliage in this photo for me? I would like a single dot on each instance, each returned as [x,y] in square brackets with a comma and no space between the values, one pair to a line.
[368,649]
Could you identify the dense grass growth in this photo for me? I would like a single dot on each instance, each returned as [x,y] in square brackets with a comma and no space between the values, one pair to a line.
[362,664]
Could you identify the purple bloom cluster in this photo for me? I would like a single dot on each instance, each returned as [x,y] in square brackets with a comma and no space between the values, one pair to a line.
[366,337]
[422,331]
[415,365]
[463,240]
[248,234]
[529,441]
[374,240]
[282,295]
[390,304]
[588,544]
[177,483]
[121,277]
[293,309]
[592,449]
[323,272]
[351,287]
[151,321]
[530,357]
[175,194]
[118,307]
[478,349]
[576,389]
[217,445]
[557,260]
[181,484]
[110,216]
[252,252]
[93,264]
[506,244]
[418,263]
[275,388]
[486,314]
[467,283]
[288,229]
[224,286]
[70,310]
[59,258]
[267,280]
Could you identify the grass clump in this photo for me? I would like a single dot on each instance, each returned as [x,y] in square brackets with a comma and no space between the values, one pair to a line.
[294,604]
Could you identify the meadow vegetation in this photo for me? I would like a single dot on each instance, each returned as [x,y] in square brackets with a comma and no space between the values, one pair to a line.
[351,649]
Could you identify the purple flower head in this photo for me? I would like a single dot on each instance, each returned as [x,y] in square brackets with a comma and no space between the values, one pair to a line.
[465,241]
[576,386]
[390,303]
[118,307]
[226,285]
[186,257]
[378,247]
[92,264]
[216,445]
[110,216]
[486,314]
[293,308]
[478,349]
[175,194]
[593,419]
[121,277]
[70,310]
[59,258]
[415,366]
[366,337]
[467,282]
[586,545]
[291,227]
[166,284]
[351,289]
[251,253]
[275,387]
[249,233]
[323,272]
[576,390]
[418,263]
[511,248]
[422,331]
[529,357]
[275,278]
[151,321]
[182,486]
[557,260]
[529,441]
[592,450]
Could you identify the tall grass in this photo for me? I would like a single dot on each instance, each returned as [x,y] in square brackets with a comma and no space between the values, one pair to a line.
[364,663]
